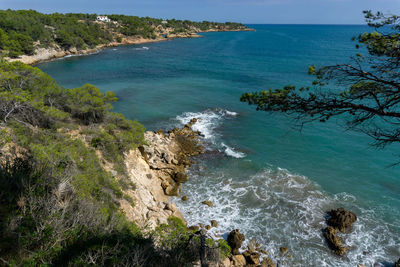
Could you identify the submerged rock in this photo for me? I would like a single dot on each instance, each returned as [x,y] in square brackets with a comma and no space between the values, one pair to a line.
[184,198]
[341,219]
[397,263]
[334,241]
[235,240]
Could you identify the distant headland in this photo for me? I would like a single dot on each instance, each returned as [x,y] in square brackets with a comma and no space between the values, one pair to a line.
[31,37]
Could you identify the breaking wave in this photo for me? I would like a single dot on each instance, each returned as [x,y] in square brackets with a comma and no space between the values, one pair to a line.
[208,122]
[280,208]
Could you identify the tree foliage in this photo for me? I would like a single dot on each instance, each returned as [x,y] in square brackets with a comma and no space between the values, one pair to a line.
[364,92]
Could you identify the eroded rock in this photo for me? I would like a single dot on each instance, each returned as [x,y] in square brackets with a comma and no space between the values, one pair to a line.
[341,219]
[214,223]
[334,241]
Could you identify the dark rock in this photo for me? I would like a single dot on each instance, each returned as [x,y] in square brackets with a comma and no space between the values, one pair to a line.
[334,241]
[397,263]
[235,240]
[208,203]
[341,219]
[214,223]
[181,177]
[184,198]
[208,227]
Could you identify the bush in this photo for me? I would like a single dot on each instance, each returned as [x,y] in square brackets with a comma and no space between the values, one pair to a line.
[88,104]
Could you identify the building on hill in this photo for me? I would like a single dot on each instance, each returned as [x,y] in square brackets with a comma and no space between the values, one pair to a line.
[103,18]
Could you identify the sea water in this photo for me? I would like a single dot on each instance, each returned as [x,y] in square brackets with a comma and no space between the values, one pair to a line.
[264,177]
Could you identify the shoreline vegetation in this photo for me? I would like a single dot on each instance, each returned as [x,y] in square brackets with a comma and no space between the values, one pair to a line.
[82,185]
[32,37]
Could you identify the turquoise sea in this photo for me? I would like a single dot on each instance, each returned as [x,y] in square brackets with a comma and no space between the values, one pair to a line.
[265,178]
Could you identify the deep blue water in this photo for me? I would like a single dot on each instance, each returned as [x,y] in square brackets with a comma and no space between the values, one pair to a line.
[269,180]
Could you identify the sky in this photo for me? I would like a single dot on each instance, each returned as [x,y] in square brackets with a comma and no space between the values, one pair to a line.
[245,11]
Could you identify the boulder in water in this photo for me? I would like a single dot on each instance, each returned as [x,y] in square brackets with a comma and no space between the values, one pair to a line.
[235,240]
[397,263]
[208,203]
[334,241]
[184,198]
[341,219]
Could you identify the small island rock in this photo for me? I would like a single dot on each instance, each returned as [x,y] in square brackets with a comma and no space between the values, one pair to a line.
[341,219]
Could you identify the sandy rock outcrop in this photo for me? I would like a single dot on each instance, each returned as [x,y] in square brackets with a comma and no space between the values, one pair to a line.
[158,170]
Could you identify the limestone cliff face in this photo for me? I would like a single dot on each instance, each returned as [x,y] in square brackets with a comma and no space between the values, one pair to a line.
[158,171]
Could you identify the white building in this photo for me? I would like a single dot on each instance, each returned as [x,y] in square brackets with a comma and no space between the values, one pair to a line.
[103,18]
[164,22]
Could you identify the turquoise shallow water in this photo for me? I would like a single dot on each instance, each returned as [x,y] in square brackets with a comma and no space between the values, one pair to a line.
[272,182]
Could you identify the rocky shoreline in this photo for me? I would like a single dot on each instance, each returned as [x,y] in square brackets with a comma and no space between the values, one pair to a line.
[159,169]
[56,52]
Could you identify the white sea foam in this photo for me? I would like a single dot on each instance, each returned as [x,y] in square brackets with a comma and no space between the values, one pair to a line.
[231,152]
[207,123]
[280,208]
[142,48]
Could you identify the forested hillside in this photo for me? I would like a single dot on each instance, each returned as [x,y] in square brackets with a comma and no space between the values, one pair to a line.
[22,31]
[63,177]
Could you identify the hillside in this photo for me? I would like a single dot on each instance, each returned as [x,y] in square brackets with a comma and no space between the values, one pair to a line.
[30,33]
[82,185]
